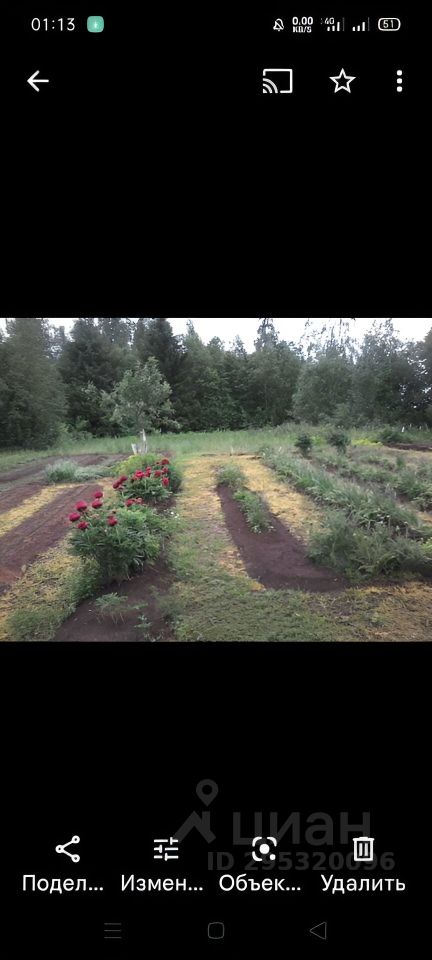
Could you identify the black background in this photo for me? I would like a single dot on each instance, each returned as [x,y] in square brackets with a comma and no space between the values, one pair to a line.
[192,202]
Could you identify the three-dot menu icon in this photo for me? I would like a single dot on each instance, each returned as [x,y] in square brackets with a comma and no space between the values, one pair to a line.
[399,81]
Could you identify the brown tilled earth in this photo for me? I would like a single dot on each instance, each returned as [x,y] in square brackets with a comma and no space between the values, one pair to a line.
[39,532]
[34,469]
[84,626]
[276,558]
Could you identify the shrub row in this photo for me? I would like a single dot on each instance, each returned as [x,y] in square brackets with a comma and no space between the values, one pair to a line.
[366,508]
[365,534]
[415,485]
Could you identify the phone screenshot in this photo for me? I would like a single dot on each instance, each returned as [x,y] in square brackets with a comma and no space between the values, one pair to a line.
[215,532]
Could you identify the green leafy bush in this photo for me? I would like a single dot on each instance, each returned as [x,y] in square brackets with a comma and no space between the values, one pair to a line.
[254,509]
[121,541]
[139,461]
[156,482]
[393,435]
[338,439]
[304,443]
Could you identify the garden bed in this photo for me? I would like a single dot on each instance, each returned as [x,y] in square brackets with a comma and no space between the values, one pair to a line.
[43,529]
[87,625]
[34,469]
[275,558]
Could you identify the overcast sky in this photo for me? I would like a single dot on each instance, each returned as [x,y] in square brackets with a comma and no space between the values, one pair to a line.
[290,328]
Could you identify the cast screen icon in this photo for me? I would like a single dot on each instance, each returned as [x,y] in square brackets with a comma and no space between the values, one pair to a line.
[95,24]
[277,80]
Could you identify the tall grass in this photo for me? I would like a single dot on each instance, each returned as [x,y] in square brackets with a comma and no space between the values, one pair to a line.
[364,507]
[217,442]
[394,477]
[366,533]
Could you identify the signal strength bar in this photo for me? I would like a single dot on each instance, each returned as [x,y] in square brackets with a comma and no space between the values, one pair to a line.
[362,27]
[336,27]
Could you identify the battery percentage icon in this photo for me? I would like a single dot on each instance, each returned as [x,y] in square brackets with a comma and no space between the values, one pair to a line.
[389,23]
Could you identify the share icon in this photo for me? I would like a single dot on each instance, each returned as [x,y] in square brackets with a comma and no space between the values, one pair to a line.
[61,848]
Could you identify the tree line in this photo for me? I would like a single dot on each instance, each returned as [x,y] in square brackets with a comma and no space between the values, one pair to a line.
[110,373]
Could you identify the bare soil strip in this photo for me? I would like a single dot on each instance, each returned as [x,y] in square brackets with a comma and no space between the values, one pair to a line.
[409,446]
[15,495]
[277,559]
[83,626]
[42,530]
[34,469]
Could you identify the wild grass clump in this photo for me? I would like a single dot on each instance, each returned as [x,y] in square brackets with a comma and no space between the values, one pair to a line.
[231,476]
[254,509]
[362,554]
[66,471]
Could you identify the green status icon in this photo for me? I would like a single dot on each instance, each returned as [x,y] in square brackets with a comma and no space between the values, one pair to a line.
[95,24]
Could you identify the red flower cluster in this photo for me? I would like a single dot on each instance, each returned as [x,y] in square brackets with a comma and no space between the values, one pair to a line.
[112,521]
[82,506]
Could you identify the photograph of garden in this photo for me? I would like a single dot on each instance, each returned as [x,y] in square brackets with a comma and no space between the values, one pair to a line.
[215,480]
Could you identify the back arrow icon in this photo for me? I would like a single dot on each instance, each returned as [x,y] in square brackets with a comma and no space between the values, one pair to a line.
[33,83]
[320,930]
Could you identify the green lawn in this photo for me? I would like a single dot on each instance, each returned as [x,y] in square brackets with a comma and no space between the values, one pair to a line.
[190,444]
[180,444]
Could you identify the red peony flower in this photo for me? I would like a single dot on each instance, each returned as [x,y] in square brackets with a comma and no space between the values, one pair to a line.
[123,478]
[74,516]
[83,525]
[164,460]
[116,485]
[96,504]
[130,502]
[112,521]
[81,505]
[98,495]
[165,481]
[157,473]
[139,474]
[165,470]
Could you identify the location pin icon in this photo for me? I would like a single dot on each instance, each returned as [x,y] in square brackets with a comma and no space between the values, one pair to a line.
[207,790]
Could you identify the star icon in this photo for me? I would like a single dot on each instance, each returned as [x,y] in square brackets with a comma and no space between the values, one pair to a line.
[342,86]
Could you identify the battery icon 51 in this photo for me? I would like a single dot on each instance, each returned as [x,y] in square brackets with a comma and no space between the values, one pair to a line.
[389,23]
